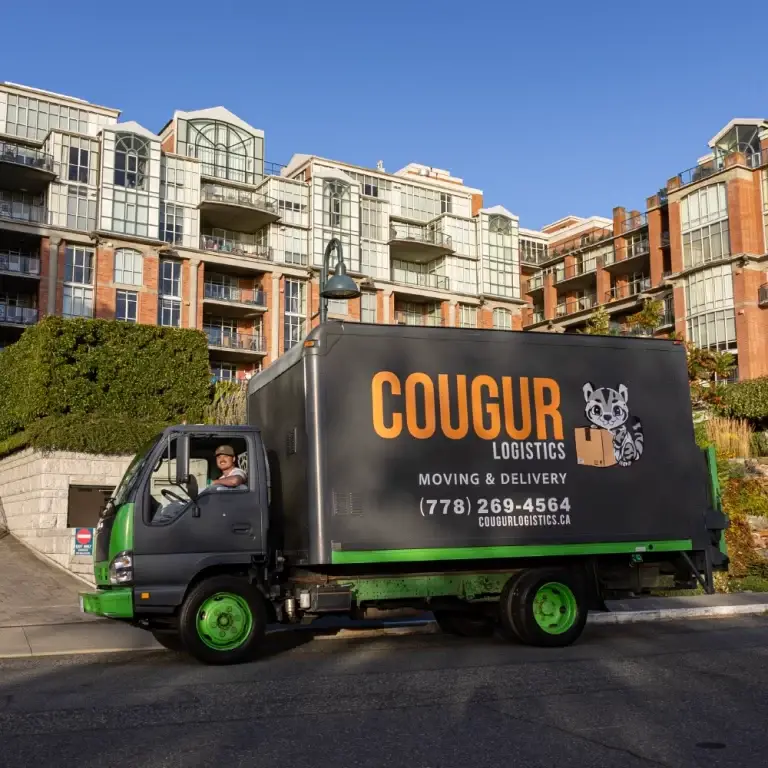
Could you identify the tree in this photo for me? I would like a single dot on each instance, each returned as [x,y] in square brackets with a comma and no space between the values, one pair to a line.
[599,324]
[649,317]
[706,368]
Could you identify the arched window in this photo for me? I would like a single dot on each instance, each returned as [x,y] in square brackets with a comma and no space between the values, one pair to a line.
[131,159]
[500,225]
[335,203]
[224,151]
[129,265]
[502,319]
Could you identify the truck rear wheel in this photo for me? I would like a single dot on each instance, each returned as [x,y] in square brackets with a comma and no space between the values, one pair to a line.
[222,620]
[544,607]
[465,624]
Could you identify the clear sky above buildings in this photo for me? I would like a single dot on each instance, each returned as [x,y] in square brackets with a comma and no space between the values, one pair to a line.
[552,108]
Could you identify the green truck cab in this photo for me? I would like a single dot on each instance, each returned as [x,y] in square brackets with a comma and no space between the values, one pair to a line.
[500,480]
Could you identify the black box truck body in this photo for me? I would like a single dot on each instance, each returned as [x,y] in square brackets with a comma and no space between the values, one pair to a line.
[499,479]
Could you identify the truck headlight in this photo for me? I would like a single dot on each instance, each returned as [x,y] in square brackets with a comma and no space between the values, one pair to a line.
[121,568]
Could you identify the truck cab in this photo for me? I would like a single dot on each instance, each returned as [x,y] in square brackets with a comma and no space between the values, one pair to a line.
[171,525]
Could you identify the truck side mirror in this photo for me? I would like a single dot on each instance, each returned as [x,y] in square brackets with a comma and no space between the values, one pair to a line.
[182,459]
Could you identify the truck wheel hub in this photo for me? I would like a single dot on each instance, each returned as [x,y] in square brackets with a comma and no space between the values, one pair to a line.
[224,621]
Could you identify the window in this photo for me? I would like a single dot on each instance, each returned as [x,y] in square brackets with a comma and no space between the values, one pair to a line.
[418,203]
[336,197]
[78,265]
[446,203]
[704,205]
[710,243]
[368,308]
[171,223]
[500,262]
[224,371]
[533,252]
[128,267]
[467,316]
[713,330]
[78,165]
[338,307]
[295,312]
[127,306]
[81,212]
[709,289]
[502,319]
[130,213]
[78,301]
[170,293]
[131,160]
[32,118]
[372,219]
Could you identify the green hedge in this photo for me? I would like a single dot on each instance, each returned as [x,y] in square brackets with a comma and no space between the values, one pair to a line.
[66,383]
[747,400]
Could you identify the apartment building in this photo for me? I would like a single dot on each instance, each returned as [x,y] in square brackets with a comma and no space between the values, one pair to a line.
[191,227]
[699,247]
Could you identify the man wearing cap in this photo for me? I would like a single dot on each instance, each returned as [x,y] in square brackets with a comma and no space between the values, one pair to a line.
[231,476]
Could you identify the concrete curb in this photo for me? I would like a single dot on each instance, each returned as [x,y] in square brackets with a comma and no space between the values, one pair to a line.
[112,637]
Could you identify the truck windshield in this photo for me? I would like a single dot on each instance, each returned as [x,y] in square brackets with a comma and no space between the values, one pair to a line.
[124,488]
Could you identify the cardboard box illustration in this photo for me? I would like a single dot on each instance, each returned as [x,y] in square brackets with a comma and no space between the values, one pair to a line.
[594,447]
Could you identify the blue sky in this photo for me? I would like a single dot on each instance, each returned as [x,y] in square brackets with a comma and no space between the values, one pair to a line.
[551,108]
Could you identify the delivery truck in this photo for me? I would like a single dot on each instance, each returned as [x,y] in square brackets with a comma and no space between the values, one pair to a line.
[504,481]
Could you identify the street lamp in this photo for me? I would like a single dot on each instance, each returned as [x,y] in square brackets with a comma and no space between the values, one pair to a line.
[341,285]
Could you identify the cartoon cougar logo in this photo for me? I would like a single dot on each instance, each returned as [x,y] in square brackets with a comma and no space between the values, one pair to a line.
[607,409]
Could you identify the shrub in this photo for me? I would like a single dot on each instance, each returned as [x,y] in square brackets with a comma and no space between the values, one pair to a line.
[732,438]
[743,495]
[116,370]
[747,400]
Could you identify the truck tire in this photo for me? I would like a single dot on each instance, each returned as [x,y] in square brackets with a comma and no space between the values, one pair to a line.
[465,624]
[544,607]
[169,640]
[222,620]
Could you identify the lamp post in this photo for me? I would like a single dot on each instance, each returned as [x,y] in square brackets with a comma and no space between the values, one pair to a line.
[341,285]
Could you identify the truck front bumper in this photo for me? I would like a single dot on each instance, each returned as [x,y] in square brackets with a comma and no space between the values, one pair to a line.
[111,603]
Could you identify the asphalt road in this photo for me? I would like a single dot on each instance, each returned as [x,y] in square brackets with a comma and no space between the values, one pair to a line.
[693,693]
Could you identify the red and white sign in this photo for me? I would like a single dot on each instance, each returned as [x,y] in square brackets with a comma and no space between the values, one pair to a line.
[84,536]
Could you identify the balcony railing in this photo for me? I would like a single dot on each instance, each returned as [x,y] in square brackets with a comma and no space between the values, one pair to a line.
[248,342]
[18,315]
[26,156]
[536,281]
[273,169]
[223,292]
[213,193]
[16,262]
[580,304]
[640,248]
[580,244]
[575,270]
[619,292]
[762,295]
[561,310]
[410,318]
[635,221]
[415,234]
[235,247]
[31,214]
[423,280]
[700,172]
[537,317]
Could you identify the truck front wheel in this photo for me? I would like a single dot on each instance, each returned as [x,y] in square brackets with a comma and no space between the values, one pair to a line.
[222,620]
[544,607]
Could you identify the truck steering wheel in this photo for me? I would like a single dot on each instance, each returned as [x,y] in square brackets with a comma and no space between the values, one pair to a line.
[171,496]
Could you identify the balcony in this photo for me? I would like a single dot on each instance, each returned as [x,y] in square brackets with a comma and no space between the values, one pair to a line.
[17,263]
[536,283]
[240,210]
[537,316]
[580,304]
[701,172]
[633,222]
[581,243]
[410,242]
[573,272]
[235,345]
[418,320]
[762,295]
[231,295]
[23,212]
[232,247]
[17,316]
[635,249]
[25,168]
[628,290]
[421,280]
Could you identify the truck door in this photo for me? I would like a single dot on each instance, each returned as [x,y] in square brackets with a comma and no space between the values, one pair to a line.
[176,536]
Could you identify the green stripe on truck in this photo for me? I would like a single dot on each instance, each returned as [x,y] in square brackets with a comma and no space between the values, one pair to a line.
[493,553]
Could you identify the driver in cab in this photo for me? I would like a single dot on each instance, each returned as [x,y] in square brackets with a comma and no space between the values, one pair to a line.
[231,475]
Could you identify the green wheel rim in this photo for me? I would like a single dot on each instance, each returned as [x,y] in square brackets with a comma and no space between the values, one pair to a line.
[554,608]
[224,621]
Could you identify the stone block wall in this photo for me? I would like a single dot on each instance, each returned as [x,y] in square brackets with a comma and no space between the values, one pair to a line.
[34,492]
